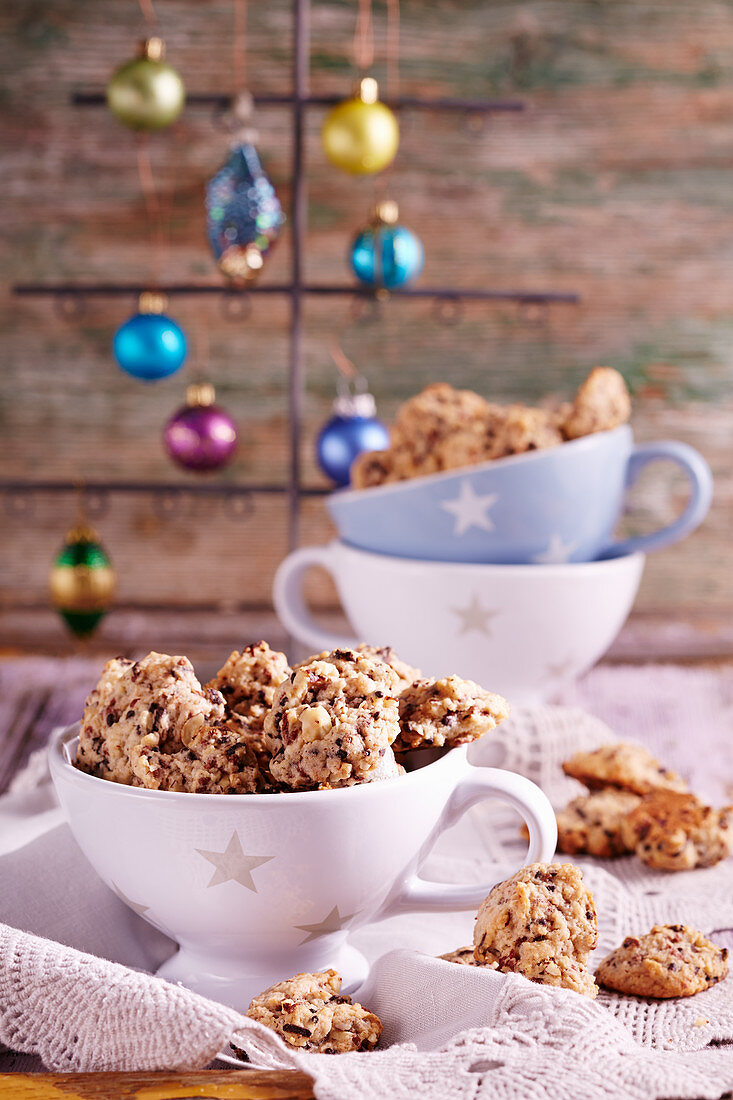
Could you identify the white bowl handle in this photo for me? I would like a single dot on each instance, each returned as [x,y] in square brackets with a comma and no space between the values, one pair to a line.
[418,894]
[291,609]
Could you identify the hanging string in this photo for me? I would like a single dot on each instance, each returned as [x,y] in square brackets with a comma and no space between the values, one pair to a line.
[344,366]
[393,49]
[148,10]
[364,37]
[239,45]
[153,207]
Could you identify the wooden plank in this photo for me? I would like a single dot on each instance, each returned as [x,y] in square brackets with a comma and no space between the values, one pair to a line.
[232,1084]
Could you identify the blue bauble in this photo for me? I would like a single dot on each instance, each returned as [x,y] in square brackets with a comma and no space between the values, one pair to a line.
[150,346]
[386,255]
[343,438]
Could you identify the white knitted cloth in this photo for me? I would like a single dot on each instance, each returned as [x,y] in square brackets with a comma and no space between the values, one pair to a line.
[450,1031]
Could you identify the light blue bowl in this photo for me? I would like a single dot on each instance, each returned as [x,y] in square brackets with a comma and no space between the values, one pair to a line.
[550,506]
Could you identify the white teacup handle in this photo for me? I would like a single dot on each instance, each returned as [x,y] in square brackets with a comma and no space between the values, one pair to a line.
[419,894]
[291,609]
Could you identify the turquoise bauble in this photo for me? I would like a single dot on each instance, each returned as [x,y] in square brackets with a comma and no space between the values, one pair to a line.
[386,254]
[150,346]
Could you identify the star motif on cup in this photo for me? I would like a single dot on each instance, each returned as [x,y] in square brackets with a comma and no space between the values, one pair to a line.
[470,509]
[136,907]
[557,552]
[474,617]
[232,865]
[334,922]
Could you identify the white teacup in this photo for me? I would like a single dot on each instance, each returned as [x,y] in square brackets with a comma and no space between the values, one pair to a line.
[255,888]
[521,630]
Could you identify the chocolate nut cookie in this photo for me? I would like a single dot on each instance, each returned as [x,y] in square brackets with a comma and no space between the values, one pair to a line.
[447,712]
[541,923]
[308,1012]
[248,681]
[372,468]
[406,674]
[151,724]
[433,415]
[333,721]
[623,766]
[516,429]
[464,956]
[671,831]
[670,961]
[602,402]
[592,824]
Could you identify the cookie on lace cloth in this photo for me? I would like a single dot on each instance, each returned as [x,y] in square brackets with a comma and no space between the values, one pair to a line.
[624,766]
[672,831]
[670,961]
[541,922]
[309,1012]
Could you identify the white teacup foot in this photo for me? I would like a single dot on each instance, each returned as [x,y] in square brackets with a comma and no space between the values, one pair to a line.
[236,981]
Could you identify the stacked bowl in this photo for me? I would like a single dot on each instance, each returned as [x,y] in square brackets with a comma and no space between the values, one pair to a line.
[506,572]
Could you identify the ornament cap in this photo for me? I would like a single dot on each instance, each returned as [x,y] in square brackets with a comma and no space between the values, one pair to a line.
[239,263]
[355,404]
[201,395]
[368,90]
[152,49]
[81,532]
[386,212]
[152,301]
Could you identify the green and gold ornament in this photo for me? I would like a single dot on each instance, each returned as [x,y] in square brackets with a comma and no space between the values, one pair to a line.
[82,581]
[146,93]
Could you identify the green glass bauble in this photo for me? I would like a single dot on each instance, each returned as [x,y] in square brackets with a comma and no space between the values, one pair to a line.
[82,581]
[146,93]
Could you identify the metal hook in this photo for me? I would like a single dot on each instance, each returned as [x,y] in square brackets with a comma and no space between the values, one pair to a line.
[241,505]
[69,306]
[18,503]
[475,122]
[365,309]
[534,313]
[170,502]
[236,305]
[447,309]
[96,502]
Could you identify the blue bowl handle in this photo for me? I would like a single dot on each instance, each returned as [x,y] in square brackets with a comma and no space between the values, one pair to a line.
[701,494]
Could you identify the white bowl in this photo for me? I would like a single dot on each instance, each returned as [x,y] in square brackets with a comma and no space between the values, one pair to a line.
[255,888]
[521,630]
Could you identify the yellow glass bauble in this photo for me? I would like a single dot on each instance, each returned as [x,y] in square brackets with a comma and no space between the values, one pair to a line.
[361,135]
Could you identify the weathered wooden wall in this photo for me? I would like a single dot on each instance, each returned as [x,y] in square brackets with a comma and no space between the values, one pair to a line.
[615,182]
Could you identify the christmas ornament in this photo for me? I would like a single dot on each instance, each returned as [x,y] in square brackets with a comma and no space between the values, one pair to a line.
[361,135]
[353,428]
[386,254]
[146,93]
[200,436]
[243,213]
[82,581]
[150,345]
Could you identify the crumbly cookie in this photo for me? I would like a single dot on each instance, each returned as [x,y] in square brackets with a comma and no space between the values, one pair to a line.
[670,961]
[517,429]
[672,831]
[406,674]
[451,711]
[602,402]
[623,766]
[248,681]
[333,722]
[371,468]
[541,923]
[308,1012]
[431,417]
[592,824]
[151,724]
[464,956]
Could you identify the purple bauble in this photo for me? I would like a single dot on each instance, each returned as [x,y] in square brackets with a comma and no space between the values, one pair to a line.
[201,437]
